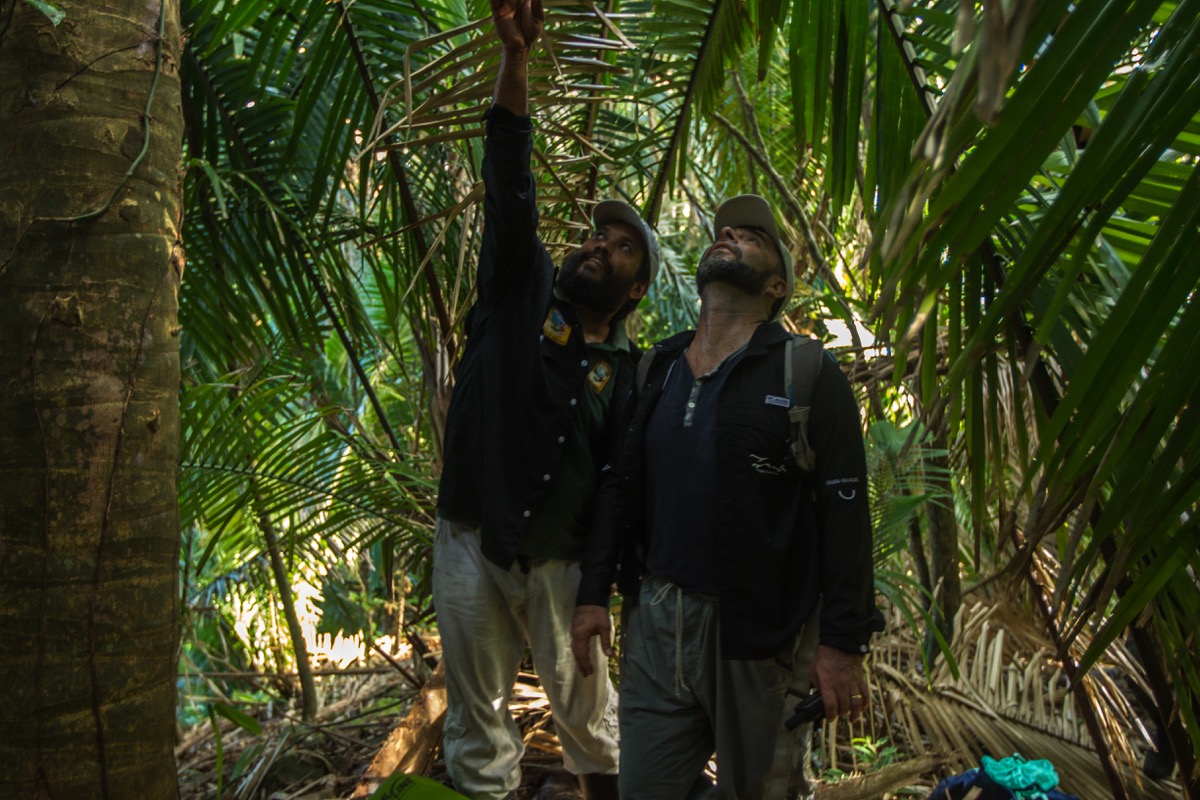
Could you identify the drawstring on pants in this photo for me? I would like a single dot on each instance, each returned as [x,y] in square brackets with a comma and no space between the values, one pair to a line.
[659,596]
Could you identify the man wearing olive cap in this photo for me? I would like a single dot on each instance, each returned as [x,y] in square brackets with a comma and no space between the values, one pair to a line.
[546,366]
[754,576]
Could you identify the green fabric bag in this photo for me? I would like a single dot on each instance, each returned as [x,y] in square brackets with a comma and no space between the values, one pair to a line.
[413,787]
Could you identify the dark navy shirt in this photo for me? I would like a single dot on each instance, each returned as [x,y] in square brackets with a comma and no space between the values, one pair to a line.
[681,473]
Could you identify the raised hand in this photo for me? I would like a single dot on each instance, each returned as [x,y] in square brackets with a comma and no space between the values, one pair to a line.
[518,22]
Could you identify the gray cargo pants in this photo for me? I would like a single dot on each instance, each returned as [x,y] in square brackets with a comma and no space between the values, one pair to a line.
[680,702]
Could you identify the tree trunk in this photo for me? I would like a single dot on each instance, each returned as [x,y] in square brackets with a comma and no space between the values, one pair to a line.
[90,264]
[943,551]
[304,671]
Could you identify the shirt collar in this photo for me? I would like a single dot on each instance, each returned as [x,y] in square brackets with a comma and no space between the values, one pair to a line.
[617,338]
[766,334]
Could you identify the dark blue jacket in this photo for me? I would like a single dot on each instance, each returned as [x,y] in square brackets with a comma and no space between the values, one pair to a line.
[785,541]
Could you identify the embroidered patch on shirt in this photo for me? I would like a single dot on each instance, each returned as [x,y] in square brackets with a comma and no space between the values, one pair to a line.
[776,400]
[600,375]
[556,326]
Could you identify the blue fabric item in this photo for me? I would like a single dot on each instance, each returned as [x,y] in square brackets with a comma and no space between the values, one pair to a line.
[956,787]
[1027,780]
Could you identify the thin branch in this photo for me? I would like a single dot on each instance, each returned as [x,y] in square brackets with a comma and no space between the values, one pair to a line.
[401,176]
[308,688]
[667,165]
[1083,701]
[908,56]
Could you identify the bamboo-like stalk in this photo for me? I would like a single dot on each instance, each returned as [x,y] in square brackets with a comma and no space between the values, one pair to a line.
[287,602]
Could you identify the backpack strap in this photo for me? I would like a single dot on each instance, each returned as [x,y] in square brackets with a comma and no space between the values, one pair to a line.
[801,366]
[643,369]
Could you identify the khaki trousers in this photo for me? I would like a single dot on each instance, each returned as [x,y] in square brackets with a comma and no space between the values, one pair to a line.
[487,616]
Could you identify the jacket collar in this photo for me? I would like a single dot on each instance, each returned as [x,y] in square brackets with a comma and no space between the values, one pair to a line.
[764,336]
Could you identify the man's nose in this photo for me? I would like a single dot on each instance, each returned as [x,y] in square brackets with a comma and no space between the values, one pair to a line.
[727,234]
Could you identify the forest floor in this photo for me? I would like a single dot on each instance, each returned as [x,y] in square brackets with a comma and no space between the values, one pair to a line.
[386,717]
[331,756]
[377,722]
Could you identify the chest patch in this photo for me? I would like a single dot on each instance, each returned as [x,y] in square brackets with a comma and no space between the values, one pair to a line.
[776,400]
[599,376]
[763,465]
[555,327]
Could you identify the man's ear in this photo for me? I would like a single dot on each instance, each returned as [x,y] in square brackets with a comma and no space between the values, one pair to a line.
[776,288]
[638,290]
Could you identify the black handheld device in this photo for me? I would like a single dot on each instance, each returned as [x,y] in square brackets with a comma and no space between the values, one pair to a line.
[810,709]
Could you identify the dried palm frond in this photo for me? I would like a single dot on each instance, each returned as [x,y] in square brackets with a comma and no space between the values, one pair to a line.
[1006,693]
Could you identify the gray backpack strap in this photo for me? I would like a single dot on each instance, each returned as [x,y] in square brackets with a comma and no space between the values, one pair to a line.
[643,369]
[801,366]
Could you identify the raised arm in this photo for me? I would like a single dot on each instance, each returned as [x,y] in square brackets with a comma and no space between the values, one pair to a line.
[518,23]
[512,260]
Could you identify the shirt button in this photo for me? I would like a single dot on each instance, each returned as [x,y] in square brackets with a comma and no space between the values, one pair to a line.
[691,405]
[541,337]
[574,401]
[583,363]
[525,513]
[562,439]
[546,477]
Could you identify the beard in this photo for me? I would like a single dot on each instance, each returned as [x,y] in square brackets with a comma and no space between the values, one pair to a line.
[733,271]
[601,291]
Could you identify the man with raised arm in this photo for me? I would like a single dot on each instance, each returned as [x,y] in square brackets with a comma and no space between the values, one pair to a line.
[546,367]
[753,574]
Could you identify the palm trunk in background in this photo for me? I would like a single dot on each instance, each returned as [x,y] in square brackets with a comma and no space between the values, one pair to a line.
[309,699]
[943,549]
[90,265]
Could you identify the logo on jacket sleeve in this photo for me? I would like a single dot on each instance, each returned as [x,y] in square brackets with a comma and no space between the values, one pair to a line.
[555,327]
[600,375]
[847,488]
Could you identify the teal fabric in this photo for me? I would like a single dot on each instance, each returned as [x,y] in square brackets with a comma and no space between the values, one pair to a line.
[1027,780]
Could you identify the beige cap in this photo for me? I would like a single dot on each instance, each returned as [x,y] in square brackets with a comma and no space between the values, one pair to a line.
[752,211]
[619,211]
